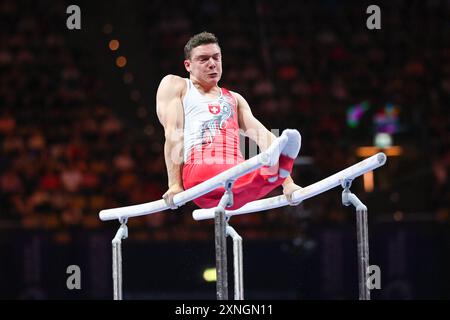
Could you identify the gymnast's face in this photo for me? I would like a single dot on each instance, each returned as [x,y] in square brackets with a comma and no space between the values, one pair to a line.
[205,64]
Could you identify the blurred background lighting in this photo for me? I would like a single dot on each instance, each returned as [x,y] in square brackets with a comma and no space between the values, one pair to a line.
[114,45]
[121,61]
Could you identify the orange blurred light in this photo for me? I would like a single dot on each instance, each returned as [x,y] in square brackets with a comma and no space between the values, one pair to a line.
[393,151]
[368,181]
[365,152]
[398,216]
[121,61]
[114,45]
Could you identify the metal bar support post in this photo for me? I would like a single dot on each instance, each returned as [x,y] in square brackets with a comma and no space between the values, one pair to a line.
[362,233]
[220,224]
[237,266]
[121,234]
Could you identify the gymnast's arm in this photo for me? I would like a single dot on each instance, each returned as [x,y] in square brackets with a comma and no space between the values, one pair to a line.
[169,109]
[256,131]
[251,126]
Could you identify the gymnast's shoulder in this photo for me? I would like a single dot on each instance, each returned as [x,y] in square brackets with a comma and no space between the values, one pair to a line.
[172,83]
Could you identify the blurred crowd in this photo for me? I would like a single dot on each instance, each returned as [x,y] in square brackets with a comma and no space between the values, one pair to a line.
[65,153]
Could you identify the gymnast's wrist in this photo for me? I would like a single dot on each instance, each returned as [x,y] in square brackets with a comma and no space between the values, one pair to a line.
[287,181]
[176,185]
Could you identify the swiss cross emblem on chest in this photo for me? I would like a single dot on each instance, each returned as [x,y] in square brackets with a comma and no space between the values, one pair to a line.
[214,108]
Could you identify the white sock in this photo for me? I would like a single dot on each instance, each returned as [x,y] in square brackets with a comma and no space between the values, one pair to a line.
[294,143]
[272,179]
[276,148]
[283,173]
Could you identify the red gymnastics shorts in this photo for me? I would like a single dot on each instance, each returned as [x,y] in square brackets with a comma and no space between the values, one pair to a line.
[250,187]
